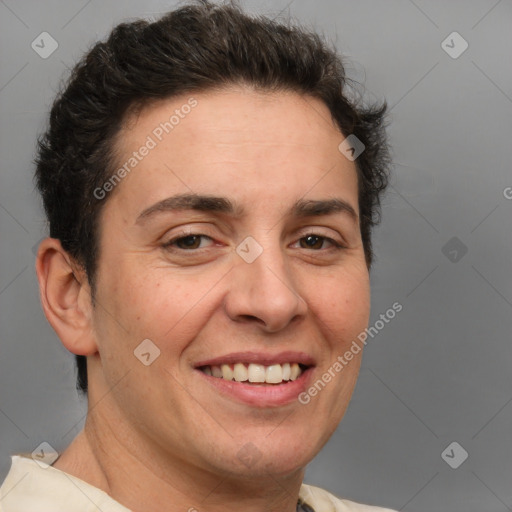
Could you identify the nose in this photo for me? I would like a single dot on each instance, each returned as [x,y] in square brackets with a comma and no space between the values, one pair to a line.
[263,292]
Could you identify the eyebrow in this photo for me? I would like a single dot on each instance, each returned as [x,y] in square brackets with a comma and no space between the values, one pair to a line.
[317,208]
[214,204]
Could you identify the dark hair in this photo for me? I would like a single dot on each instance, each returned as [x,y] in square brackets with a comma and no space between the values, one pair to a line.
[196,47]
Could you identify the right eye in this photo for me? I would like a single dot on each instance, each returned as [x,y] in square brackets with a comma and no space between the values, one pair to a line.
[189,242]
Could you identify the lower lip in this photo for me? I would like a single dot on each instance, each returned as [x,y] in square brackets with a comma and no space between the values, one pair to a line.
[271,395]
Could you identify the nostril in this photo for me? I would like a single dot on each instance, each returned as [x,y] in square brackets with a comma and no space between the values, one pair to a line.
[251,318]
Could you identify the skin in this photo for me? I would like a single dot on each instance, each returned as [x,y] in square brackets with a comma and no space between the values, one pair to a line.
[160,437]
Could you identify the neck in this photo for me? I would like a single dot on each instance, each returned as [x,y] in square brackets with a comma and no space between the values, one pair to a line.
[136,474]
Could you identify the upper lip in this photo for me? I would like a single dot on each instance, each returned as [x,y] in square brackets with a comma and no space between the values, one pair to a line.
[262,358]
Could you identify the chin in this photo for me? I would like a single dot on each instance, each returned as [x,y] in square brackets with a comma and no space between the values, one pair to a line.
[276,455]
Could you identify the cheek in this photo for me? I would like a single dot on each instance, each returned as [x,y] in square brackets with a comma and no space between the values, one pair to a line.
[138,293]
[155,303]
[341,304]
[128,305]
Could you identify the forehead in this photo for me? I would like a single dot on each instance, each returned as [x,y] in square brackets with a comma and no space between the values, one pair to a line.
[234,139]
[233,115]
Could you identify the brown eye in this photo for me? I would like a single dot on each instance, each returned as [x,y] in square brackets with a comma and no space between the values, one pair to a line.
[312,242]
[189,242]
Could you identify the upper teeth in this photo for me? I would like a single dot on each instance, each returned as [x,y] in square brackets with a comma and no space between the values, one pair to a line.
[273,374]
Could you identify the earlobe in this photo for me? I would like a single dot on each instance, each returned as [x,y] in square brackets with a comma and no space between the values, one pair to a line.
[65,297]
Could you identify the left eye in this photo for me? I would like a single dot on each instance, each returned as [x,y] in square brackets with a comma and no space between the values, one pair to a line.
[316,242]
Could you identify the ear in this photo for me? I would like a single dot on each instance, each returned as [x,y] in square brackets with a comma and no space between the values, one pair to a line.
[65,297]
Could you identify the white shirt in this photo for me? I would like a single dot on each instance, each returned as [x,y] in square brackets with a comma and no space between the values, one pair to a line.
[30,487]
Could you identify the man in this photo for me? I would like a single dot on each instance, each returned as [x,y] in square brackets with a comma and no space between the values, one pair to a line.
[210,191]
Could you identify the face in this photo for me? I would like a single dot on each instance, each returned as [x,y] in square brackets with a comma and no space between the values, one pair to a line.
[233,245]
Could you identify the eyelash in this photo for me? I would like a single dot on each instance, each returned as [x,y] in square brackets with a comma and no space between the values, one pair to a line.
[169,245]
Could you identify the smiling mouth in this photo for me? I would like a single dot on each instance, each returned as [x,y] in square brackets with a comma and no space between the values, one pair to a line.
[257,374]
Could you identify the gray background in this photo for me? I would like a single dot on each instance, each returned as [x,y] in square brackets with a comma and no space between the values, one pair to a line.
[437,373]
